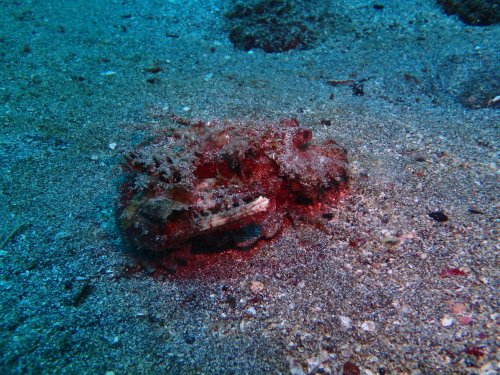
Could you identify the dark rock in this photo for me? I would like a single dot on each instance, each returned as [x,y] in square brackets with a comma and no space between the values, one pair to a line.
[473,12]
[277,25]
[438,216]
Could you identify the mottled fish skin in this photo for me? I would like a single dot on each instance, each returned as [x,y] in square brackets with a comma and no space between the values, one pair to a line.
[232,181]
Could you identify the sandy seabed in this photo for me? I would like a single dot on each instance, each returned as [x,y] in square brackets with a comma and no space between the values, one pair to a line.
[382,289]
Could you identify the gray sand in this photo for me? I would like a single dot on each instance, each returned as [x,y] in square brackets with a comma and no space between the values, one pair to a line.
[384,287]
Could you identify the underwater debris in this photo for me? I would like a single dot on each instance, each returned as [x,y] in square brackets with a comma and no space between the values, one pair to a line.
[217,185]
[83,293]
[357,86]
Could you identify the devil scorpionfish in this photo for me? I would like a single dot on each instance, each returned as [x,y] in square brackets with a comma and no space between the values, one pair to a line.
[219,185]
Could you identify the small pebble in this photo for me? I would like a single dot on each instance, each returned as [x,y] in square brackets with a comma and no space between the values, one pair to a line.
[251,311]
[346,322]
[458,308]
[390,241]
[256,286]
[464,320]
[243,325]
[368,326]
[475,211]
[446,321]
[451,272]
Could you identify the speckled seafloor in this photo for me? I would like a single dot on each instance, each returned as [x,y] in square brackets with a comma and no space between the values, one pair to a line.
[385,287]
